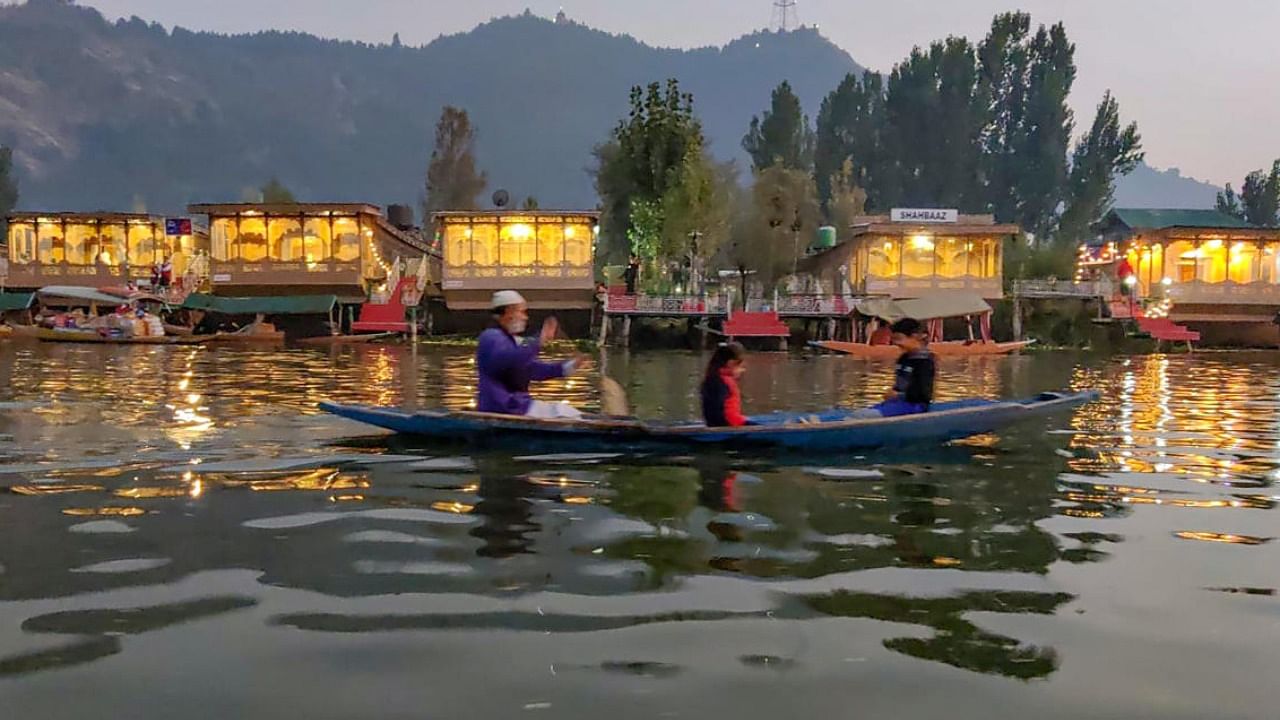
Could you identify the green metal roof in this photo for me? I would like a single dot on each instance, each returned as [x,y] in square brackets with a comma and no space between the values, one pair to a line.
[15,301]
[1187,218]
[296,305]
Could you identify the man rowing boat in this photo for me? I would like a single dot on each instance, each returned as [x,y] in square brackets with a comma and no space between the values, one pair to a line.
[508,362]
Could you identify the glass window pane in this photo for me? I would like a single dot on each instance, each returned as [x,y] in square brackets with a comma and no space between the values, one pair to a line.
[953,257]
[578,240]
[484,244]
[317,243]
[222,238]
[144,250]
[52,247]
[346,235]
[253,239]
[22,242]
[1213,261]
[517,245]
[284,239]
[82,243]
[457,245]
[551,242]
[917,256]
[113,244]
[883,258]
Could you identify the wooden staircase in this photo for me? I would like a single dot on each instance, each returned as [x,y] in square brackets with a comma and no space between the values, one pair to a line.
[1166,330]
[384,317]
[756,325]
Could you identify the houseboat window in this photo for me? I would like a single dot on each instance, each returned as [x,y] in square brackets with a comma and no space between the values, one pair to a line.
[317,240]
[484,244]
[457,245]
[884,258]
[1213,261]
[918,256]
[52,246]
[346,239]
[22,242]
[953,257]
[222,238]
[578,239]
[253,239]
[518,247]
[370,266]
[145,249]
[1268,264]
[985,257]
[82,243]
[551,242]
[113,244]
[1243,263]
[284,239]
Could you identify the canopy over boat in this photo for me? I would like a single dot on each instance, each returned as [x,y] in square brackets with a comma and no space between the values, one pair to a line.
[16,301]
[832,431]
[70,294]
[295,305]
[929,307]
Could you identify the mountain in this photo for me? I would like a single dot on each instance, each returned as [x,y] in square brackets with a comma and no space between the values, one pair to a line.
[127,115]
[1147,187]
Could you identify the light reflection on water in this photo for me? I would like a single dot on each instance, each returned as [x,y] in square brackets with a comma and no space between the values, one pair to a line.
[139,517]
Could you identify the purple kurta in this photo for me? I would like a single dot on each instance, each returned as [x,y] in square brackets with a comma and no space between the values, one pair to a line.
[506,368]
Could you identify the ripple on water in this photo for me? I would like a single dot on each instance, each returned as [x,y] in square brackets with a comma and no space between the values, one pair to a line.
[287,522]
[106,527]
[124,566]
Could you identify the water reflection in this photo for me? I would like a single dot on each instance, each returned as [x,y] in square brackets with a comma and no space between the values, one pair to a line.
[129,471]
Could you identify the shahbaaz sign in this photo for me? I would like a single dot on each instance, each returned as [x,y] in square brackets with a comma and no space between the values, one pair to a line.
[924,215]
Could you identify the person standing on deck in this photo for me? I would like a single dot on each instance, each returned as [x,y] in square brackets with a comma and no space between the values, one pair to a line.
[631,275]
[507,363]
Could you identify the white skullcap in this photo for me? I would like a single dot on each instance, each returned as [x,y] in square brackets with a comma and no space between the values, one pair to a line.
[503,298]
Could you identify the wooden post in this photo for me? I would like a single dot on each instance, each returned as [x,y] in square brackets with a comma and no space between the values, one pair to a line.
[604,329]
[413,324]
[1017,318]
[351,316]
[626,331]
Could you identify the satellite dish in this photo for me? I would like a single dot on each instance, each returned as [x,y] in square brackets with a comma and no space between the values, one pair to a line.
[501,198]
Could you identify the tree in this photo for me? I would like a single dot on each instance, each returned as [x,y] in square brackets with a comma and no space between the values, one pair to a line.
[700,202]
[1229,203]
[8,185]
[644,158]
[453,182]
[1106,151]
[780,217]
[1260,197]
[275,192]
[783,136]
[530,203]
[847,200]
[850,130]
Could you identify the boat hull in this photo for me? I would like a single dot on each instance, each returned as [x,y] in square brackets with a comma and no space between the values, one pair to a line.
[93,338]
[941,349]
[833,430]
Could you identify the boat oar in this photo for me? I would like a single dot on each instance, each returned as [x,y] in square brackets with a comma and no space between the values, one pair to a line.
[613,398]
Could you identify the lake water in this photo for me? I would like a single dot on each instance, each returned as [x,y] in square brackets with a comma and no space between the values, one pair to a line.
[183,535]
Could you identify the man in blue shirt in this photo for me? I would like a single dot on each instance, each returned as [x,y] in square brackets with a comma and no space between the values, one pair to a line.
[507,363]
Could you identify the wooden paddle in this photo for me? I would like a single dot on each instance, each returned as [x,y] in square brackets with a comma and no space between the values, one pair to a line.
[613,398]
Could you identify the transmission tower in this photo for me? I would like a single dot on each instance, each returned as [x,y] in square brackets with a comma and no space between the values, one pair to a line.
[785,15]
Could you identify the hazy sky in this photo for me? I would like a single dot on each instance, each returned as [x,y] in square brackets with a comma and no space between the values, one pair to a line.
[1201,78]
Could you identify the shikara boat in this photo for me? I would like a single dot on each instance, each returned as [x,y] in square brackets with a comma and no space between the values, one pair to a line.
[93,337]
[345,339]
[831,431]
[954,348]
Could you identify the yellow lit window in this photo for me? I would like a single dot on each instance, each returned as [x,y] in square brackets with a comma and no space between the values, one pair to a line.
[144,248]
[346,239]
[317,241]
[884,258]
[984,257]
[484,244]
[1212,266]
[284,239]
[518,247]
[917,256]
[953,256]
[52,248]
[113,244]
[457,244]
[252,245]
[552,238]
[372,268]
[82,243]
[578,240]
[22,242]
[1243,263]
[222,238]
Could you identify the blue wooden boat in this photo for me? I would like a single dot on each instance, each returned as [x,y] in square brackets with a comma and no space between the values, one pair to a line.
[829,431]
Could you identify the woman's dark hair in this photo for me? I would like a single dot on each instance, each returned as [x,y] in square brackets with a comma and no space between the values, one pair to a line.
[724,354]
[908,326]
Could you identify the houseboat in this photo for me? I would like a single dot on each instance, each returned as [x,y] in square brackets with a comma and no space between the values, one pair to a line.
[102,249]
[913,253]
[1212,272]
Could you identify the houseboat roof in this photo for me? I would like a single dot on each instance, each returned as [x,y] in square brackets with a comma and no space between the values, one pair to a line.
[16,301]
[538,212]
[33,216]
[284,208]
[295,305]
[1162,219]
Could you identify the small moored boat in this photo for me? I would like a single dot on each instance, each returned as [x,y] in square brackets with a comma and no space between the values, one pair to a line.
[932,310]
[832,431]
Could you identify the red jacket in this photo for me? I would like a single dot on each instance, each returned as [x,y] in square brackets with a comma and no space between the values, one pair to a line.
[722,402]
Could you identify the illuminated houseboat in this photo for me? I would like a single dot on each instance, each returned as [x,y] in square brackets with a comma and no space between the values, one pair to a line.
[97,249]
[914,253]
[343,249]
[548,256]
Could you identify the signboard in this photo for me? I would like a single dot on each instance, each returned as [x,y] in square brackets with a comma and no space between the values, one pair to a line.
[222,278]
[924,215]
[177,226]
